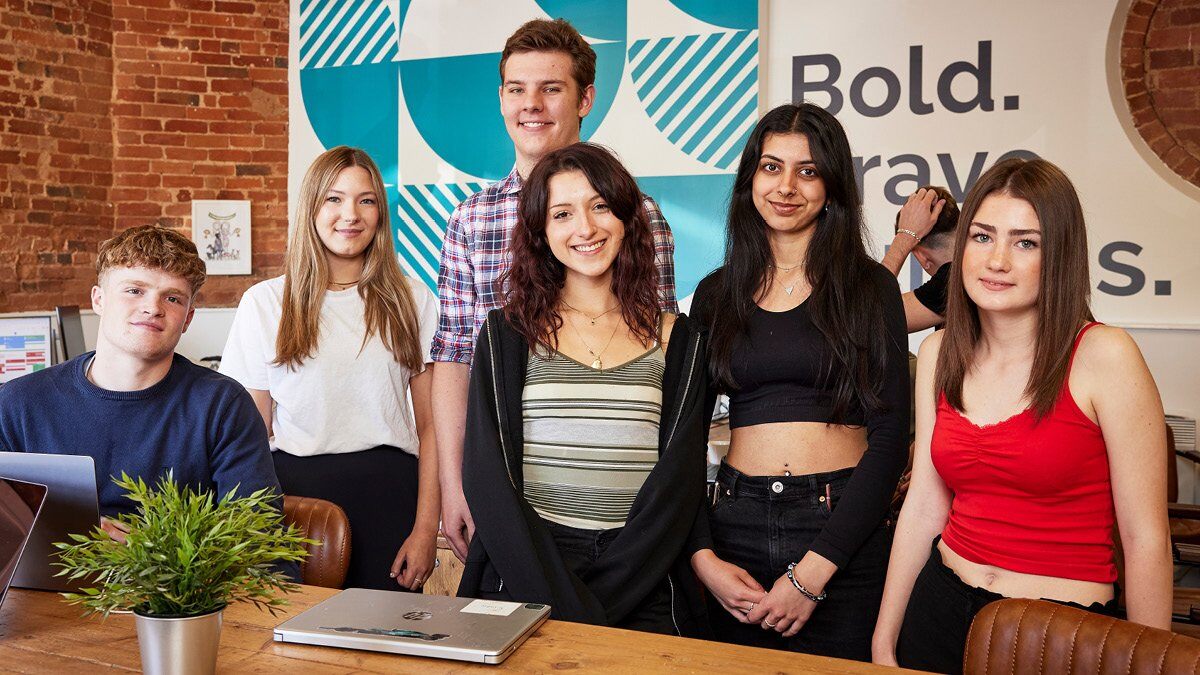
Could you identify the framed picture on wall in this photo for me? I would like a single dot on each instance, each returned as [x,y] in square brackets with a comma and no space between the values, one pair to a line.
[221,230]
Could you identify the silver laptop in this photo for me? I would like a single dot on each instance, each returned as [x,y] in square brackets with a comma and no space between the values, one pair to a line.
[20,503]
[71,508]
[482,631]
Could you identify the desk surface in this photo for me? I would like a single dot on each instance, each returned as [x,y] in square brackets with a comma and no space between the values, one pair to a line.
[40,632]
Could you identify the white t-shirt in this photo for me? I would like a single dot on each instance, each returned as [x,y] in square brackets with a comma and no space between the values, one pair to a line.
[341,400]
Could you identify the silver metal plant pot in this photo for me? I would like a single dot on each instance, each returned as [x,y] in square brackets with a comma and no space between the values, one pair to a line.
[179,646]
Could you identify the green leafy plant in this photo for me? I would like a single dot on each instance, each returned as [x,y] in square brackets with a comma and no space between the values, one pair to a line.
[185,553]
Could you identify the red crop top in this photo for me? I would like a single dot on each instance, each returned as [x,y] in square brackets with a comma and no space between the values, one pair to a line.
[1031,497]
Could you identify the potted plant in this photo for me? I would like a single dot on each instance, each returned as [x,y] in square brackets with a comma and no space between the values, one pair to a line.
[187,556]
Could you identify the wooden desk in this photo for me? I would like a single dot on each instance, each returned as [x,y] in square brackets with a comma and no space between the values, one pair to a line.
[40,633]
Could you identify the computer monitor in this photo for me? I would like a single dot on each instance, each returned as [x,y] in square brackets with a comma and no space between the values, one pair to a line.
[26,346]
[70,327]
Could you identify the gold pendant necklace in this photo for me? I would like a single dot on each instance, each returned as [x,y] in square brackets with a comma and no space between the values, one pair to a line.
[597,363]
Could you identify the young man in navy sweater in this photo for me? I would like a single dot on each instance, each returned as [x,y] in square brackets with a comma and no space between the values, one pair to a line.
[134,405]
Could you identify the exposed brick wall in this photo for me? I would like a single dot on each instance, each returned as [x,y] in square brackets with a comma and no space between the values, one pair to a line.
[200,112]
[55,149]
[1160,65]
[119,113]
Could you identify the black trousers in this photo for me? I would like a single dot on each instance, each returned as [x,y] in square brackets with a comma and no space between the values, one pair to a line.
[762,523]
[377,489]
[938,617]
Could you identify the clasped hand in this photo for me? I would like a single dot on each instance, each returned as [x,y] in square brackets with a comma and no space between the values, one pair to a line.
[784,610]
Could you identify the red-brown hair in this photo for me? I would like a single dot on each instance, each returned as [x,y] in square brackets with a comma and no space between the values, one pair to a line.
[543,35]
[533,283]
[1064,286]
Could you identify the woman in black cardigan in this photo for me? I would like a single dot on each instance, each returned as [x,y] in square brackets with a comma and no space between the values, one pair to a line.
[584,457]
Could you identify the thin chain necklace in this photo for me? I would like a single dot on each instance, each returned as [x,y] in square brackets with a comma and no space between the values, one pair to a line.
[596,362]
[787,269]
[347,284]
[787,289]
[591,318]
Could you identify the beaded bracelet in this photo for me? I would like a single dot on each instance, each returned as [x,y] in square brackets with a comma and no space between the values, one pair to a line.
[800,587]
[910,233]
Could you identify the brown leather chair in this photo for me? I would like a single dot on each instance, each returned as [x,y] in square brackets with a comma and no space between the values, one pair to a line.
[1036,636]
[325,522]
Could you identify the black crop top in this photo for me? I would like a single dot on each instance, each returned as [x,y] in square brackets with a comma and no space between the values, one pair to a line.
[781,366]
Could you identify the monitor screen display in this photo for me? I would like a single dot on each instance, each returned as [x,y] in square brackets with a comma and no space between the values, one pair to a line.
[26,346]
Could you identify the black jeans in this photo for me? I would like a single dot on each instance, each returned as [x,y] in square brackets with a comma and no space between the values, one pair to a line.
[580,549]
[938,617]
[762,523]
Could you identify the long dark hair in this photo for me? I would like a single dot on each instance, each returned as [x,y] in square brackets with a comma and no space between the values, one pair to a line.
[535,279]
[844,305]
[1064,286]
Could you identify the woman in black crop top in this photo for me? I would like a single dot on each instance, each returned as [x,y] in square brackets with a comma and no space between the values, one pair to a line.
[808,339]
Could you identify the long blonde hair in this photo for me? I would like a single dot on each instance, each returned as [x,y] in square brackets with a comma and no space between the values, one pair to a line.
[389,306]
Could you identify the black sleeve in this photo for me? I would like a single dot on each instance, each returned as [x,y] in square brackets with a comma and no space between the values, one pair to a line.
[932,293]
[868,495]
[701,314]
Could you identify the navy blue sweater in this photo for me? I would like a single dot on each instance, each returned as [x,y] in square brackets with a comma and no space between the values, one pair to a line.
[196,422]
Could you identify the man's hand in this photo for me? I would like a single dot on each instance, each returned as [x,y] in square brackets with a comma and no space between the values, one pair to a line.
[920,213]
[457,524]
[114,529]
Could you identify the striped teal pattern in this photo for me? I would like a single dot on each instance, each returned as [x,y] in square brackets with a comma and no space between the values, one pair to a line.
[591,437]
[337,33]
[420,220]
[701,91]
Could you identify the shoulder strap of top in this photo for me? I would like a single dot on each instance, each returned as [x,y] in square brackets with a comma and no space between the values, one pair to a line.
[1078,339]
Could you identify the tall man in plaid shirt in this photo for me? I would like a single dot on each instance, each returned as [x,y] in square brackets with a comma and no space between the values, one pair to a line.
[547,72]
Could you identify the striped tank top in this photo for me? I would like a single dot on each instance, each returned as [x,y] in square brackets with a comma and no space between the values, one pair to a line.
[591,437]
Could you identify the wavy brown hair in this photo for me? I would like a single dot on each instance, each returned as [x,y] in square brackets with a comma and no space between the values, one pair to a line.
[390,309]
[1064,286]
[533,284]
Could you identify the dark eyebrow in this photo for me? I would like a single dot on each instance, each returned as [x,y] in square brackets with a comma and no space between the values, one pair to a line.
[773,158]
[361,194]
[1016,233]
[541,82]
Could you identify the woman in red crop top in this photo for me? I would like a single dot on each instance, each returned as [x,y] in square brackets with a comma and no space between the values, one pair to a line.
[1038,430]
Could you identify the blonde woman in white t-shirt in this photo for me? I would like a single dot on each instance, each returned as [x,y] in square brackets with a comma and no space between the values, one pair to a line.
[329,352]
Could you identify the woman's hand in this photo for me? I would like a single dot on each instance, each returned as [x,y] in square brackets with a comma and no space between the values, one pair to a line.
[414,561]
[731,585]
[784,610]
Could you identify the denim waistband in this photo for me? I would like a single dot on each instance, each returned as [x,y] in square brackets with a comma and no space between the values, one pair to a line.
[600,539]
[738,484]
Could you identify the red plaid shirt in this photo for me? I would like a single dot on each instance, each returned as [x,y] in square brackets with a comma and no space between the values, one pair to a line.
[475,253]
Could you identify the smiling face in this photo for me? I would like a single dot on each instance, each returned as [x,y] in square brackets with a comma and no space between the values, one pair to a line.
[583,233]
[542,104]
[348,216]
[143,312]
[787,191]
[1002,259]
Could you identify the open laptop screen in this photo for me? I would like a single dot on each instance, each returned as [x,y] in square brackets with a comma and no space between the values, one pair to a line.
[20,503]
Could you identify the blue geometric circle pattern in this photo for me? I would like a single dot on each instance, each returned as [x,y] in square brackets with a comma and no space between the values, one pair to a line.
[701,91]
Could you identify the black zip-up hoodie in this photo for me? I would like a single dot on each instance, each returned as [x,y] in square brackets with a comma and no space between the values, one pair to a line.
[514,553]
